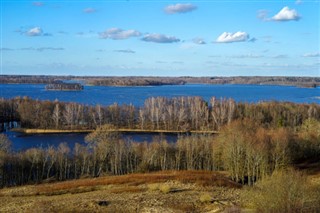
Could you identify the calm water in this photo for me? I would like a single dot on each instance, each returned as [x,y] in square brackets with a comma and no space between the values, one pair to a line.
[136,95]
[23,141]
[93,95]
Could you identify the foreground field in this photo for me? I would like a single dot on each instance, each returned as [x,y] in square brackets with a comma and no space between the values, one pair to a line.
[169,191]
[172,191]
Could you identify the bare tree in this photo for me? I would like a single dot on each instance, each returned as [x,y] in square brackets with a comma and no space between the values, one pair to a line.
[56,115]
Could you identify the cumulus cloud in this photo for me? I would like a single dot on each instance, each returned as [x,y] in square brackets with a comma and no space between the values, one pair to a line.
[118,34]
[36,31]
[311,55]
[180,8]
[125,51]
[198,41]
[38,3]
[160,38]
[89,10]
[233,37]
[286,14]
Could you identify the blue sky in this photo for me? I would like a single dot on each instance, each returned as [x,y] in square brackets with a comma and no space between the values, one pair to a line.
[161,38]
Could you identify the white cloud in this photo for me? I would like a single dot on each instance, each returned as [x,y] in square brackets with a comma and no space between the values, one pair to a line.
[286,14]
[160,38]
[36,31]
[310,55]
[118,34]
[179,8]
[298,2]
[233,37]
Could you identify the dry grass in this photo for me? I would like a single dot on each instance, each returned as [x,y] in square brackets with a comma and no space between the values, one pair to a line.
[201,178]
[189,191]
[132,189]
[168,191]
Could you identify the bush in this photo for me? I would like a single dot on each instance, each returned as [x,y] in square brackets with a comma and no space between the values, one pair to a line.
[165,188]
[153,186]
[285,191]
[205,198]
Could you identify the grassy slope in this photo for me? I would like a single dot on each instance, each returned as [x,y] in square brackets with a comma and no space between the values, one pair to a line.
[127,193]
[188,192]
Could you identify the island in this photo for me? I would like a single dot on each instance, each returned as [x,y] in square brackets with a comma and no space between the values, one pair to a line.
[62,86]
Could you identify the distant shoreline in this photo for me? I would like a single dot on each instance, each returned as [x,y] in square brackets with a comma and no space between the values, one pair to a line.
[124,81]
[60,131]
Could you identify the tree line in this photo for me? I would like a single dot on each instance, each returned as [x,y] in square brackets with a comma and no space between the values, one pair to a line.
[157,113]
[248,151]
[156,81]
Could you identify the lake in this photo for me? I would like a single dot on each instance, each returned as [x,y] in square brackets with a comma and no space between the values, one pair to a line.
[22,141]
[93,95]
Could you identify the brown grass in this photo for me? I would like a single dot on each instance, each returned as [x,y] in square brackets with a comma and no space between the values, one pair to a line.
[201,178]
[125,193]
[127,190]
[130,193]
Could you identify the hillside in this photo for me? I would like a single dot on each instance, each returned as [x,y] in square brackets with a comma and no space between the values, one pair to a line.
[167,191]
[170,191]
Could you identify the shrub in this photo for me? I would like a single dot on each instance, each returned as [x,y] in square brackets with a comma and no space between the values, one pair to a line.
[285,191]
[153,186]
[165,188]
[205,198]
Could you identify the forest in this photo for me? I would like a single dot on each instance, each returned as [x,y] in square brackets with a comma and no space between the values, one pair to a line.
[157,113]
[253,140]
[310,82]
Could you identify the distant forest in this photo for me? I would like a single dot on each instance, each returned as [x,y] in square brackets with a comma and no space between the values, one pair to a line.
[158,81]
[157,113]
[253,141]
